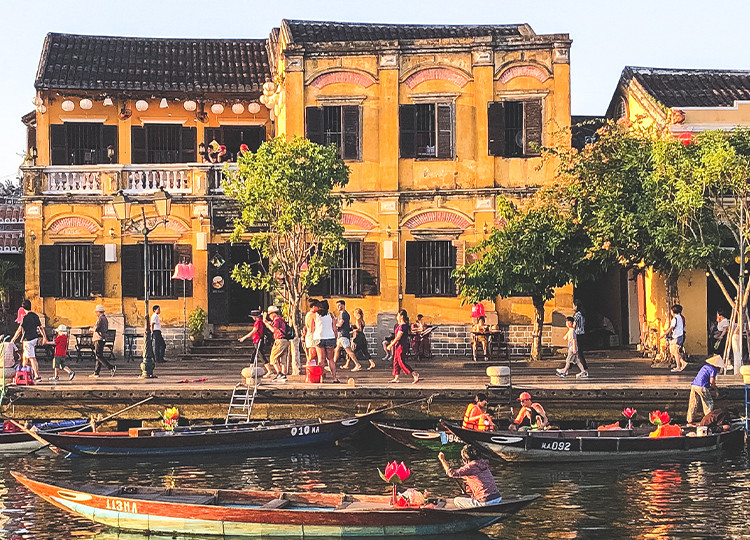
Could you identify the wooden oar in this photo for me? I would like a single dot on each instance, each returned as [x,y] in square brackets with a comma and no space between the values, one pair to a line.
[96,423]
[28,431]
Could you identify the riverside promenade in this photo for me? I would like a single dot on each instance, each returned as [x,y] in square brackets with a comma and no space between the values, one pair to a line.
[202,387]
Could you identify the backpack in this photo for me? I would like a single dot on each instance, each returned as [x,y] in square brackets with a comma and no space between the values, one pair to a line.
[289,334]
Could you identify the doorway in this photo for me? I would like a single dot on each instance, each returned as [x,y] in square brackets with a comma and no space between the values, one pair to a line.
[228,301]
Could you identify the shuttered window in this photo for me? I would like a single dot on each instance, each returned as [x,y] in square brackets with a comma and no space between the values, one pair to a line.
[514,128]
[429,265]
[161,262]
[357,273]
[426,131]
[75,270]
[163,143]
[71,270]
[82,143]
[336,124]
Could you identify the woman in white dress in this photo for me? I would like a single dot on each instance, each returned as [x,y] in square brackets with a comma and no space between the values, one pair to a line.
[325,333]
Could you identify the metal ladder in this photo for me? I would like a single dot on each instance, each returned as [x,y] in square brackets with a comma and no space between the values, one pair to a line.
[241,404]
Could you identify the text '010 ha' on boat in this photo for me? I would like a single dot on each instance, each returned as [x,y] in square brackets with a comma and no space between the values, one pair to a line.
[228,513]
[256,436]
[594,445]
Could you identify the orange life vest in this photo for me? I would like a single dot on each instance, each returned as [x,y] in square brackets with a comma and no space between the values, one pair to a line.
[475,419]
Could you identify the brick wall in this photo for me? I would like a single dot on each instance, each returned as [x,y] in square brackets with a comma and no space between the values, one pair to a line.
[173,337]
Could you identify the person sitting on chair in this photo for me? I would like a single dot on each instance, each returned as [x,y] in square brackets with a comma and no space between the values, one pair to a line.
[531,415]
[421,338]
[480,484]
[477,337]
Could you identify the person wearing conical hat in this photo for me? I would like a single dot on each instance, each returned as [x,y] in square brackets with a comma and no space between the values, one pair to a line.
[703,384]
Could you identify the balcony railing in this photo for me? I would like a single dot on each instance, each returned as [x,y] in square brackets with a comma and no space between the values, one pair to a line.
[146,179]
[216,175]
[80,179]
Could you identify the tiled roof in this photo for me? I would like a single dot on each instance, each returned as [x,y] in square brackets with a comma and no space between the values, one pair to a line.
[77,62]
[321,31]
[692,87]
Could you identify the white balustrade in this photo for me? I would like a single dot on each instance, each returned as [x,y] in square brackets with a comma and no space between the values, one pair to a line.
[149,179]
[73,180]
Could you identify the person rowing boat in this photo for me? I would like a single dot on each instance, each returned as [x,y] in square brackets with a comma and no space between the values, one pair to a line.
[480,483]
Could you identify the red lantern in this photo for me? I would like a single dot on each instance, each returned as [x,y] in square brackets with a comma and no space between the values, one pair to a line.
[685,138]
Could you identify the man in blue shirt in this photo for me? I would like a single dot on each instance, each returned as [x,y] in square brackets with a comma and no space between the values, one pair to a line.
[702,385]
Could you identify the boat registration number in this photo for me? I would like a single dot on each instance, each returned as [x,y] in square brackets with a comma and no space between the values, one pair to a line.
[560,446]
[305,430]
[122,506]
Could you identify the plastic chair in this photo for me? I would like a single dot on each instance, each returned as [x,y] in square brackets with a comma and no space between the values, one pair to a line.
[23,378]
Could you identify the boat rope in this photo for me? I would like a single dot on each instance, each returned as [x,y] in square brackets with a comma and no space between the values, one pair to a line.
[427,399]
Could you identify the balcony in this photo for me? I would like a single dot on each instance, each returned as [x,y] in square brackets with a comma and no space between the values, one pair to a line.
[176,178]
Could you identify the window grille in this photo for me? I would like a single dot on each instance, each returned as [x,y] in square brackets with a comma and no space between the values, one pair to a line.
[345,276]
[75,270]
[436,263]
[163,143]
[84,142]
[332,126]
[161,266]
[425,134]
[514,142]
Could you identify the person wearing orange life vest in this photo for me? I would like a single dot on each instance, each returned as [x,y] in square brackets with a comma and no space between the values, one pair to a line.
[476,416]
[530,415]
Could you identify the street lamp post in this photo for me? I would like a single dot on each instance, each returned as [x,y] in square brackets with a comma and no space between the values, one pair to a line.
[163,205]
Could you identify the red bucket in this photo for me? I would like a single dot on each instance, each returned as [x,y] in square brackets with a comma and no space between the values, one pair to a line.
[314,374]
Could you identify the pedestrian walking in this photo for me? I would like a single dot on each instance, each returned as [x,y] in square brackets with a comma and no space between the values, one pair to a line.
[325,332]
[30,330]
[344,341]
[100,332]
[573,351]
[280,350]
[580,330]
[61,354]
[311,344]
[702,385]
[675,336]
[400,346]
[160,347]
[256,336]
[359,340]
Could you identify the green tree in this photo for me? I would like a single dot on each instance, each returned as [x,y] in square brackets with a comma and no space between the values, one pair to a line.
[287,189]
[539,247]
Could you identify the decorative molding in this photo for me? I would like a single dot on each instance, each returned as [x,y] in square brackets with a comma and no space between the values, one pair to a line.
[526,70]
[388,61]
[561,54]
[441,97]
[485,204]
[437,74]
[33,210]
[341,76]
[437,216]
[436,234]
[482,57]
[341,100]
[389,207]
[355,235]
[357,220]
[172,224]
[73,225]
[294,63]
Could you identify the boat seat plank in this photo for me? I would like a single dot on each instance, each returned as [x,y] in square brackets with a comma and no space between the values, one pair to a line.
[179,498]
[441,503]
[275,504]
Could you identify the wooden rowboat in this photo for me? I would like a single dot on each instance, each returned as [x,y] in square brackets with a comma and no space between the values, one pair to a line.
[434,440]
[206,439]
[227,513]
[21,442]
[592,445]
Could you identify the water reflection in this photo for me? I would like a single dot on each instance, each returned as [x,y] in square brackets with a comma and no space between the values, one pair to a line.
[706,498]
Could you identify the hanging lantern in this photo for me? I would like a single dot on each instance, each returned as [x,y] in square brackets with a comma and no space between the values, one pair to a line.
[41,109]
[264,100]
[68,105]
[141,105]
[239,108]
[86,104]
[269,87]
[217,108]
[37,101]
[163,103]
[190,105]
[253,108]
[108,101]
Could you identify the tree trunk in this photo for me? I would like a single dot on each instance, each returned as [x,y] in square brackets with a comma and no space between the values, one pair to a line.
[294,352]
[536,334]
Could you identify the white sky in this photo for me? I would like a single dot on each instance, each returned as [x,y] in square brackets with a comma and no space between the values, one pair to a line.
[607,35]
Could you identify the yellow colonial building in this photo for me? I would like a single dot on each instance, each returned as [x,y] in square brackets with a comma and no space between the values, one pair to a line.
[433,121]
[686,102]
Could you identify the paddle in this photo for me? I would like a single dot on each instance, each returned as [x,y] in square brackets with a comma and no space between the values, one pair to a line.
[27,431]
[96,423]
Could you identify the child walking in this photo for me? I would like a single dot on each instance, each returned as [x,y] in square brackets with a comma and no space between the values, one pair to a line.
[61,353]
[572,338]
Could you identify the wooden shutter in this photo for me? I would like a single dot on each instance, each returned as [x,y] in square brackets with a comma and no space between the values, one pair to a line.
[131,263]
[49,271]
[496,128]
[58,146]
[109,138]
[454,251]
[532,112]
[188,142]
[314,124]
[444,131]
[370,265]
[351,118]
[412,268]
[138,145]
[96,270]
[407,123]
[184,254]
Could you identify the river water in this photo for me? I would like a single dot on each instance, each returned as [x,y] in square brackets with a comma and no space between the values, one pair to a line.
[679,499]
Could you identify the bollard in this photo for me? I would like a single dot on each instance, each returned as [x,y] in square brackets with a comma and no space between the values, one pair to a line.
[499,375]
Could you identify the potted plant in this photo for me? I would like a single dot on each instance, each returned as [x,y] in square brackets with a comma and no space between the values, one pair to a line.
[197,325]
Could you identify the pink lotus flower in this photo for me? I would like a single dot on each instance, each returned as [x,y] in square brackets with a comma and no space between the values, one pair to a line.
[628,413]
[659,418]
[395,473]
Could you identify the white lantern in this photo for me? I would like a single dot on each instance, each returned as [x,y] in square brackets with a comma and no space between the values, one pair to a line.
[269,87]
[190,105]
[238,108]
[108,101]
[217,108]
[141,105]
[37,101]
[86,104]
[253,108]
[68,105]
[264,99]
[41,109]
[163,103]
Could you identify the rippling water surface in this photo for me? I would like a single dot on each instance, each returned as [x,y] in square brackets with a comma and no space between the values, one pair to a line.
[680,499]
